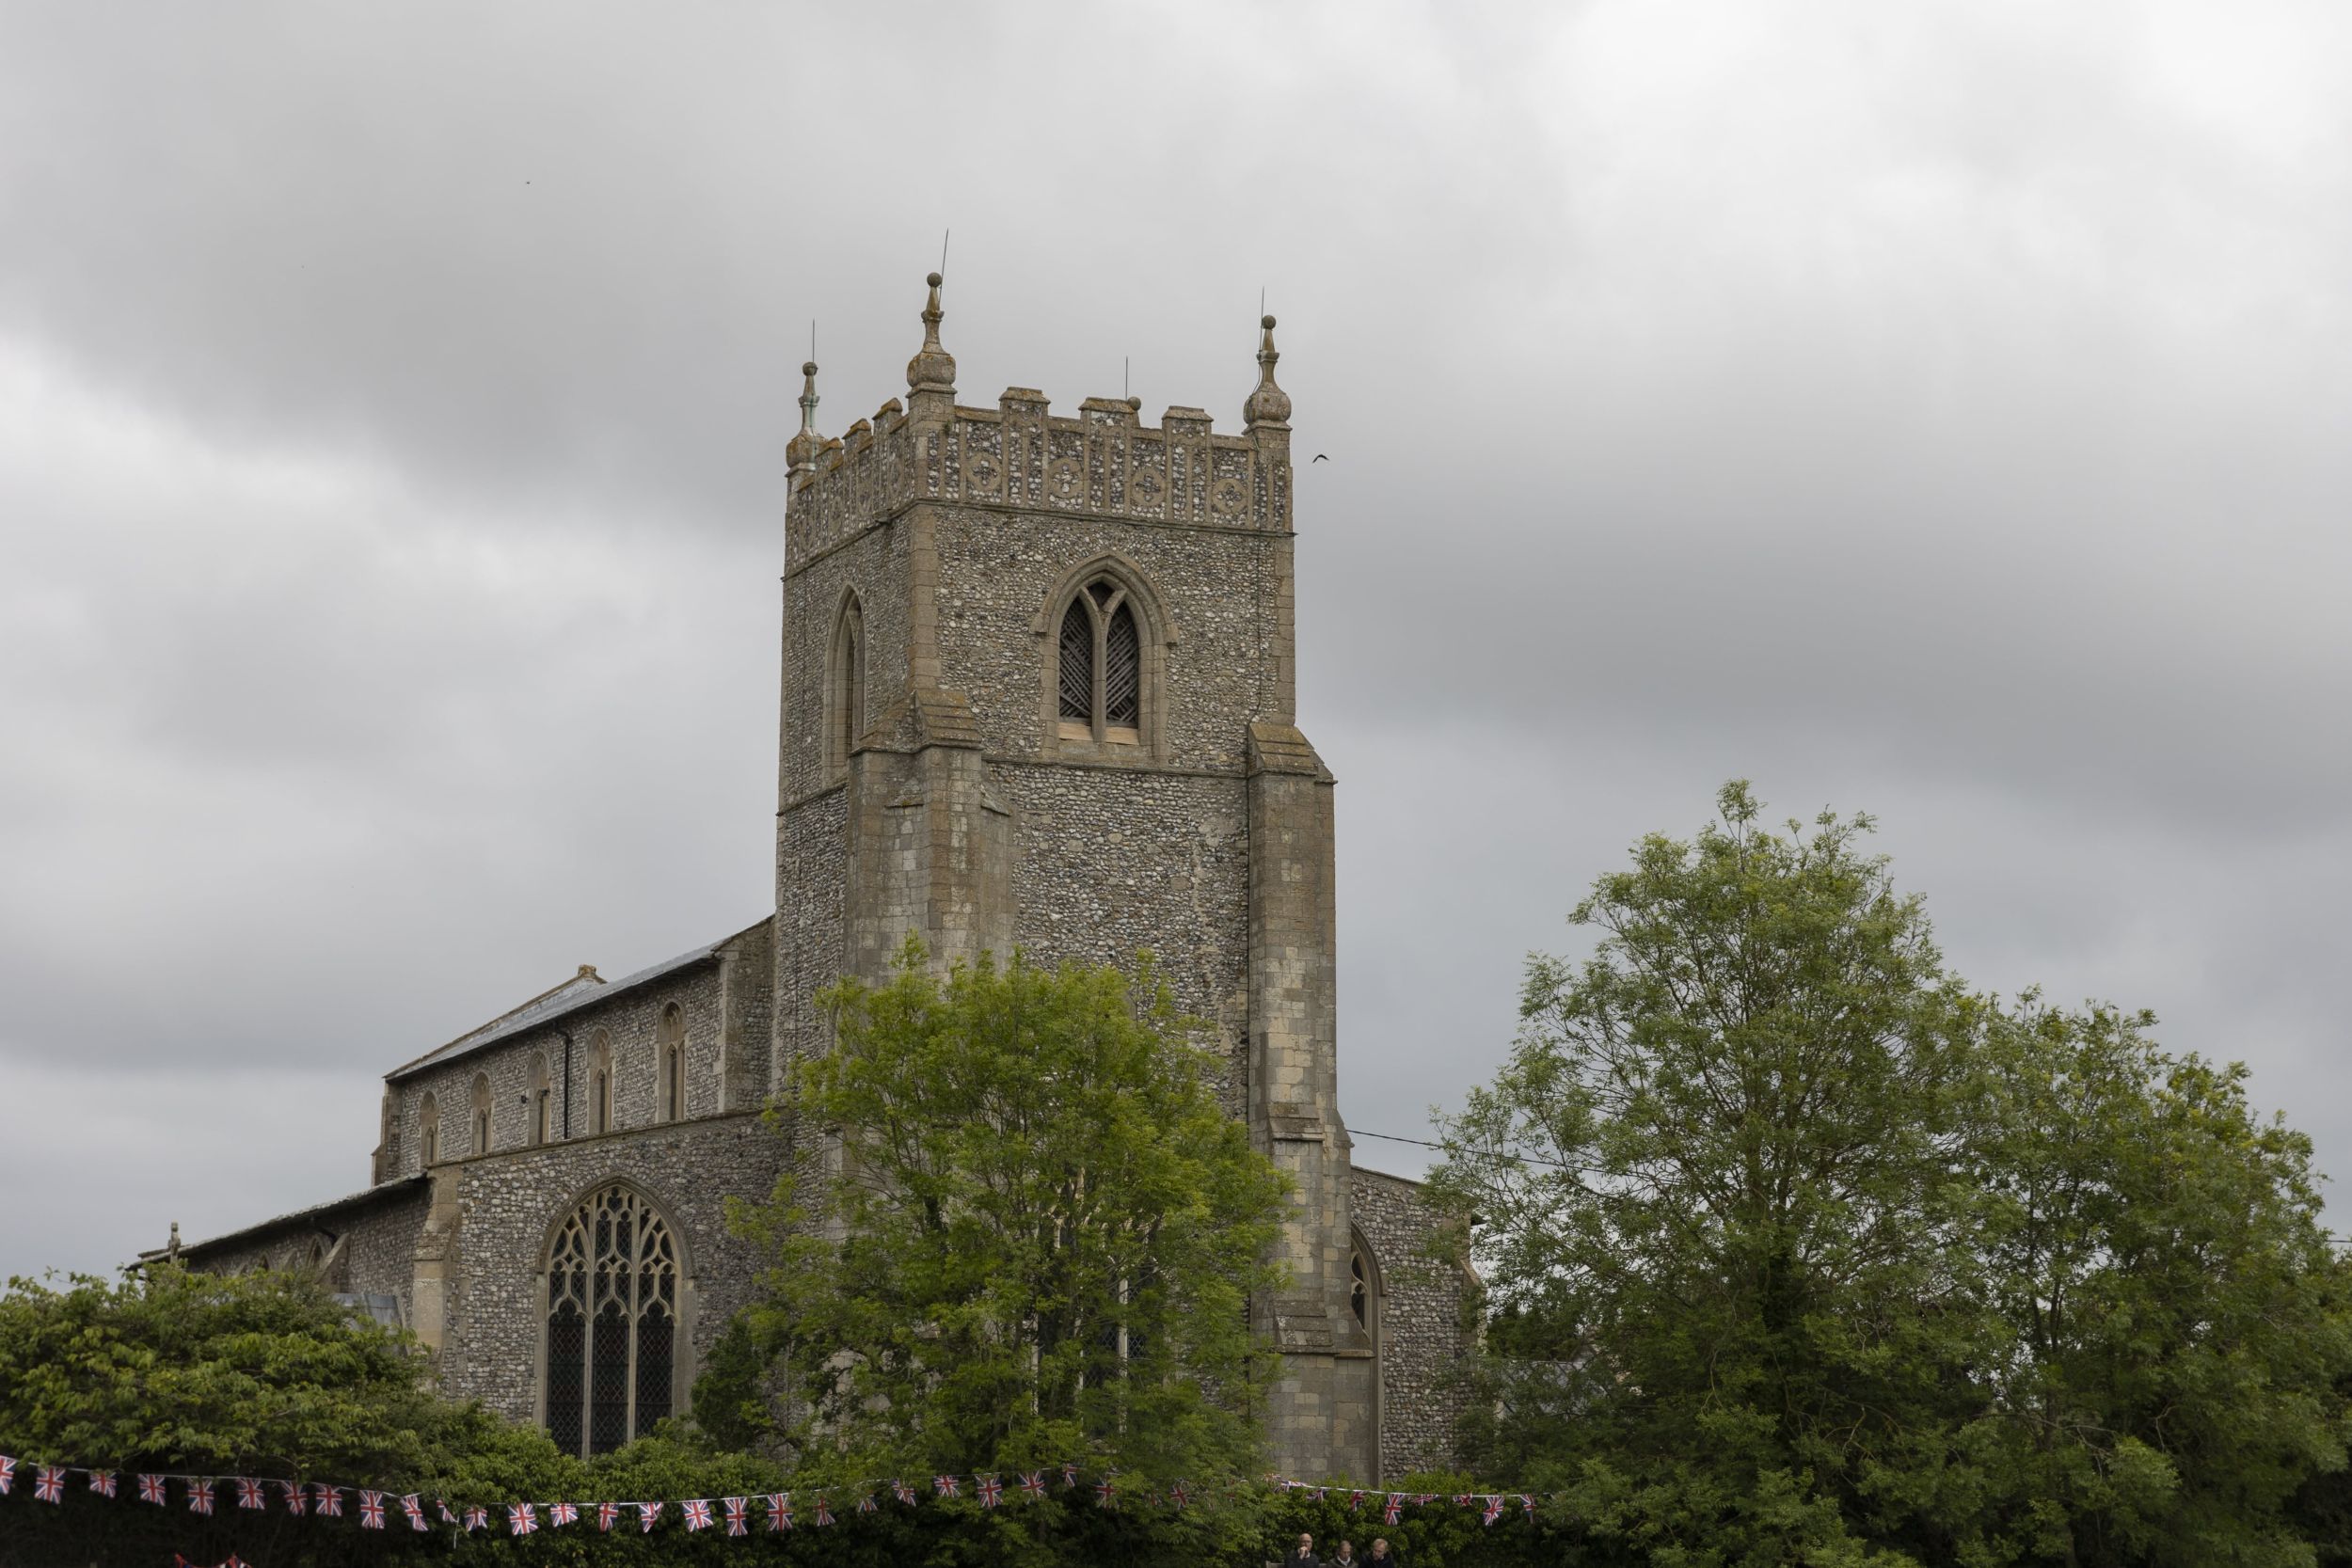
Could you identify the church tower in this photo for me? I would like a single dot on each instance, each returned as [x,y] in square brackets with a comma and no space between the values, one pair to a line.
[1039,691]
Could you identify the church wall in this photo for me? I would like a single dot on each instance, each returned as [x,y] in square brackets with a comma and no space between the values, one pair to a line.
[633,1019]
[874,564]
[507,1205]
[1420,1325]
[1225,588]
[812,849]
[378,1236]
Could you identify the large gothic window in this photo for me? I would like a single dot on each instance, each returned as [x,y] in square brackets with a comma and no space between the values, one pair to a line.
[613,1315]
[1101,674]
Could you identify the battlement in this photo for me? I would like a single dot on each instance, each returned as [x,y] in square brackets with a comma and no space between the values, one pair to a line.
[1102,462]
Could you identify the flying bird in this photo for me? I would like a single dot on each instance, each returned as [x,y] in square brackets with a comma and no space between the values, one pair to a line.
[1321,458]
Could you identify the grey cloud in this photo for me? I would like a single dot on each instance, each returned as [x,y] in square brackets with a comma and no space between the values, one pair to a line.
[1935,410]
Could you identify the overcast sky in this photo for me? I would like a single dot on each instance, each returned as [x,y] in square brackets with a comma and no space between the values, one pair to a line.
[1938,409]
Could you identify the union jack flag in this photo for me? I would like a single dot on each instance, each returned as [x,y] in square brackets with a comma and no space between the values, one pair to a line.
[1526,1505]
[1103,1493]
[648,1514]
[606,1514]
[1464,1501]
[1387,1515]
[298,1499]
[150,1488]
[1319,1492]
[738,1510]
[824,1509]
[413,1506]
[1494,1509]
[447,1517]
[560,1514]
[1178,1495]
[199,1496]
[1355,1501]
[371,1510]
[8,1474]
[1033,1482]
[103,1482]
[250,1494]
[946,1486]
[697,1513]
[521,1519]
[477,1517]
[330,1502]
[865,1502]
[906,1493]
[991,1491]
[49,1484]
[1070,1475]
[779,1510]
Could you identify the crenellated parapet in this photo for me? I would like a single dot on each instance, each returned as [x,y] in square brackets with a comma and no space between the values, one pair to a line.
[1105,461]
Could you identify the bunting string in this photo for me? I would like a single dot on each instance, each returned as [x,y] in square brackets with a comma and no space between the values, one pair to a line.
[377,1506]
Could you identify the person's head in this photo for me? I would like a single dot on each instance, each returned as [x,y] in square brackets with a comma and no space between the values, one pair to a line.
[1306,1542]
[1348,1550]
[1380,1548]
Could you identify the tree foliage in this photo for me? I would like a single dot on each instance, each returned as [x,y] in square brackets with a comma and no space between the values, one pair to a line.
[1798,1250]
[1031,1238]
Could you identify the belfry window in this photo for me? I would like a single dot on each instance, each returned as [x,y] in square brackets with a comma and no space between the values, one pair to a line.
[600,1084]
[612,1317]
[429,1132]
[1100,676]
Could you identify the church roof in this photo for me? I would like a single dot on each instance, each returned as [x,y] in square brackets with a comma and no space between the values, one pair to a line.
[317,1213]
[558,1002]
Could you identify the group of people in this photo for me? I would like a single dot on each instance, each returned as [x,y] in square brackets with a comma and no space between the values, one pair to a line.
[1343,1558]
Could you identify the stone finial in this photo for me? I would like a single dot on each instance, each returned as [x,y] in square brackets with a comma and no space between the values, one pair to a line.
[172,1250]
[1269,404]
[932,368]
[801,452]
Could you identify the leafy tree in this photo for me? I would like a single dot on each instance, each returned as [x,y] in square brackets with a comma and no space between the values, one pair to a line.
[1033,1242]
[1799,1251]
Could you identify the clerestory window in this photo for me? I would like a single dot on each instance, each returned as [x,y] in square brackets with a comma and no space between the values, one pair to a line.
[613,1343]
[671,1063]
[429,1132]
[482,1112]
[1101,681]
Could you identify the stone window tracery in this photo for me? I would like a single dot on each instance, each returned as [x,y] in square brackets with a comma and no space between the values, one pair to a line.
[429,1132]
[1363,1285]
[482,1112]
[1100,673]
[612,1339]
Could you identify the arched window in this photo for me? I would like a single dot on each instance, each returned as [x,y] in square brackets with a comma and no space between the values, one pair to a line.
[844,685]
[1363,1285]
[600,1082]
[482,1112]
[542,1098]
[1101,674]
[669,1063]
[612,1316]
[429,1132]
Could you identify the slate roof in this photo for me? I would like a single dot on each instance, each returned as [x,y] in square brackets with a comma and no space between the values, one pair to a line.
[399,1187]
[580,992]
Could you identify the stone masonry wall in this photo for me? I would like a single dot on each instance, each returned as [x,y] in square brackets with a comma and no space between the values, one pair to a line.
[378,1233]
[1420,1325]
[509,1204]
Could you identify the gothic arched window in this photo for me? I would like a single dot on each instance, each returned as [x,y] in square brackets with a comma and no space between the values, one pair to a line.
[612,1318]
[1100,671]
[542,1097]
[600,1082]
[669,1063]
[482,1112]
[1363,1284]
[429,1132]
[844,685]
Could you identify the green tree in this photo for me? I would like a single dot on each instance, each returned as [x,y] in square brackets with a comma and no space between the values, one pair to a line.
[1796,1250]
[1033,1242]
